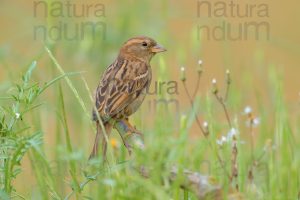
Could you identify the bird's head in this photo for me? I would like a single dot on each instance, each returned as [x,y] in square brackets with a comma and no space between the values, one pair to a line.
[142,48]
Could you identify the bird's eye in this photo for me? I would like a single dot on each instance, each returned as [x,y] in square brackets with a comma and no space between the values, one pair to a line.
[144,44]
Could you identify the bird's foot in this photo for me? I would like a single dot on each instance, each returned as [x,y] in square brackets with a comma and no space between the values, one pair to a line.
[131,137]
[131,129]
[128,147]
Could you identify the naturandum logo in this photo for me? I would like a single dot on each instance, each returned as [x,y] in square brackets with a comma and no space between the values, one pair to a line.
[65,20]
[233,20]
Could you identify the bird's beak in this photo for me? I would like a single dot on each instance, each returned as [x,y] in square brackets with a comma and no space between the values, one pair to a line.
[158,48]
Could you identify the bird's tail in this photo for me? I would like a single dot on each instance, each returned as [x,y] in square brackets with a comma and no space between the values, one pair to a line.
[99,135]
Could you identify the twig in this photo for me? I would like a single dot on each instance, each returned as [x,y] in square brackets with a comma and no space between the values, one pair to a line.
[252,139]
[199,72]
[252,122]
[204,131]
[234,166]
[234,153]
[221,101]
[228,82]
[200,185]
[197,86]
[192,105]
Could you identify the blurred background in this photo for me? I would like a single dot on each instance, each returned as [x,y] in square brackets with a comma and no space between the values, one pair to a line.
[28,26]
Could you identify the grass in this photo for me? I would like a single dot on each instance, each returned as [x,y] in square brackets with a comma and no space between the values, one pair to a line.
[266,162]
[46,130]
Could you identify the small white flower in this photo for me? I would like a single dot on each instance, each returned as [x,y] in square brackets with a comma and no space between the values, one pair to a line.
[232,132]
[205,124]
[18,115]
[200,62]
[227,71]
[182,69]
[247,110]
[219,142]
[222,140]
[256,121]
[214,81]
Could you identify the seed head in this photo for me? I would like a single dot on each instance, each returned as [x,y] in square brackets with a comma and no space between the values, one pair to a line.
[215,88]
[199,68]
[182,69]
[247,110]
[18,115]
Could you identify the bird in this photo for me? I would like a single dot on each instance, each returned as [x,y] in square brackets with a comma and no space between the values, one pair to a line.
[123,87]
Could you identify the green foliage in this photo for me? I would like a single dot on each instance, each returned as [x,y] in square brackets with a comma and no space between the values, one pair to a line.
[16,134]
[273,163]
[46,131]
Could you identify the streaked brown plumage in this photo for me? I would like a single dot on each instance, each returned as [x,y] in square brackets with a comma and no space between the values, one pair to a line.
[123,85]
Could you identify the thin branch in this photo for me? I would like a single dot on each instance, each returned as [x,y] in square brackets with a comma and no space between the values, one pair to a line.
[234,166]
[228,82]
[234,153]
[197,84]
[204,132]
[192,105]
[226,92]
[221,101]
[252,139]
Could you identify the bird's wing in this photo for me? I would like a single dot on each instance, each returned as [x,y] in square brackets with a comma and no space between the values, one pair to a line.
[102,88]
[121,85]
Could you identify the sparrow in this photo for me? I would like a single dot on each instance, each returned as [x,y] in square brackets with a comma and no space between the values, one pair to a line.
[123,86]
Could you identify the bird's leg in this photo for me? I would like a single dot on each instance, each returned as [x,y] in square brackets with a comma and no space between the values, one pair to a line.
[123,132]
[108,128]
[104,148]
[126,144]
[131,129]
